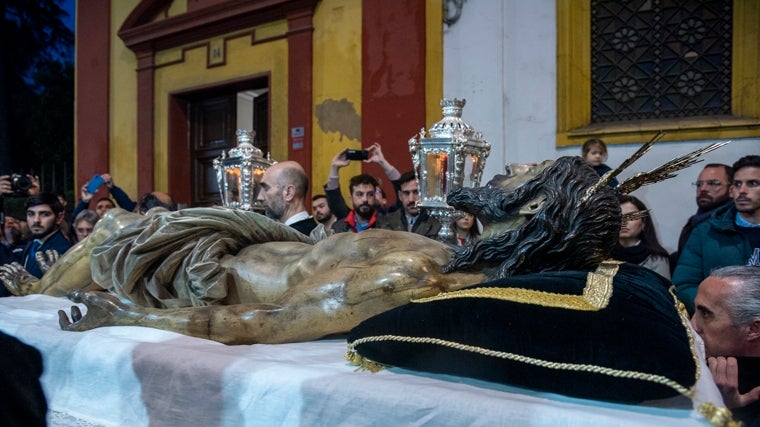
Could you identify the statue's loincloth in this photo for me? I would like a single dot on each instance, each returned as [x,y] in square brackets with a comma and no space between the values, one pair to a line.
[172,259]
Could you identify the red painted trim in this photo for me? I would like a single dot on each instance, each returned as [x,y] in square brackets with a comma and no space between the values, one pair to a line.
[145,12]
[92,89]
[300,76]
[393,79]
[197,24]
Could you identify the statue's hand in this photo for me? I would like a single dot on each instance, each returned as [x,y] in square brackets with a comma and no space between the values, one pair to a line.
[18,281]
[103,309]
[46,259]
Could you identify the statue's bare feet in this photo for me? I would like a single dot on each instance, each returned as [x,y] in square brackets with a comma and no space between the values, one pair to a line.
[18,281]
[103,309]
[46,259]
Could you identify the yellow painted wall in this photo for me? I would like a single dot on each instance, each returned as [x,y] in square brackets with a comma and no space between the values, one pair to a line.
[177,7]
[337,87]
[433,61]
[123,105]
[336,82]
[242,60]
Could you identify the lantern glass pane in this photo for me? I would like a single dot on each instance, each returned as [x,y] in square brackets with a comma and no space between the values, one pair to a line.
[234,185]
[436,164]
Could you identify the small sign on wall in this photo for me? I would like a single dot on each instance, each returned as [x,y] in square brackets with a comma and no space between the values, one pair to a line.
[216,53]
[296,138]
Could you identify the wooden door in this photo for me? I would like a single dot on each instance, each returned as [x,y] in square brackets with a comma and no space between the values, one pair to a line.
[212,130]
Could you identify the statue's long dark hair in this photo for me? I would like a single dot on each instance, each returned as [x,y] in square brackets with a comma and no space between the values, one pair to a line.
[564,234]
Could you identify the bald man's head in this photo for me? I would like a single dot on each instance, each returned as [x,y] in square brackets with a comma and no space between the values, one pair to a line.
[292,173]
[283,188]
[154,199]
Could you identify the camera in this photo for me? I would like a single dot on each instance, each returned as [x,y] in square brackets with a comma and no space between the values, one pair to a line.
[357,154]
[20,185]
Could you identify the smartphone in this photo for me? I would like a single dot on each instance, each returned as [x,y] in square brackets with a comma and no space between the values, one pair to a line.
[357,154]
[94,184]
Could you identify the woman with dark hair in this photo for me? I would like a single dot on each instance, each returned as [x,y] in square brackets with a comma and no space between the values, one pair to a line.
[638,243]
[467,229]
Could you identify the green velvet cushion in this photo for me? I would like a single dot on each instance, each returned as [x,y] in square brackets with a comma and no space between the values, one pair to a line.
[613,335]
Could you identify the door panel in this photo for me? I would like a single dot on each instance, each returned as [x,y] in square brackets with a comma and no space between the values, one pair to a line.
[212,131]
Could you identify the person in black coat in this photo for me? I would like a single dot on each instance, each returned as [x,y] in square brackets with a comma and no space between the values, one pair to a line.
[23,402]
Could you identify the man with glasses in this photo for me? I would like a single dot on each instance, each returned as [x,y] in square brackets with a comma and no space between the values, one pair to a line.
[712,192]
[730,236]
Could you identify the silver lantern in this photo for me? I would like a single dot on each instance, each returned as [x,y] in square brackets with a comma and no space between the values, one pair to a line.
[239,173]
[453,156]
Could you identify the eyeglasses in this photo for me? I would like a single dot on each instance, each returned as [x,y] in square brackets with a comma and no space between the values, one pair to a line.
[710,183]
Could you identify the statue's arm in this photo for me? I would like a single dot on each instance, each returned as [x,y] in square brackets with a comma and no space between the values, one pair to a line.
[228,324]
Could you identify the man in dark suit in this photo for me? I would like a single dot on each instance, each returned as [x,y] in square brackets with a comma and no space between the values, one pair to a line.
[411,218]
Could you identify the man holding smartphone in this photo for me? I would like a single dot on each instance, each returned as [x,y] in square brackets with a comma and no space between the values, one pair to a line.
[364,212]
[405,215]
[91,187]
[363,216]
[374,154]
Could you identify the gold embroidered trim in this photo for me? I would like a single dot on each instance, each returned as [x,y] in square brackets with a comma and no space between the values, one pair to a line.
[596,294]
[683,315]
[579,367]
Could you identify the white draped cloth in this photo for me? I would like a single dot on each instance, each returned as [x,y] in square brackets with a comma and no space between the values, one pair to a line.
[134,376]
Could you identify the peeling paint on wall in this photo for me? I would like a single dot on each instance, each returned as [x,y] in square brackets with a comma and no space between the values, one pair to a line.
[341,117]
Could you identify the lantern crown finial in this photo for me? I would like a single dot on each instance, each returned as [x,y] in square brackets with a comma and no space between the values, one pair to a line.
[245,147]
[451,123]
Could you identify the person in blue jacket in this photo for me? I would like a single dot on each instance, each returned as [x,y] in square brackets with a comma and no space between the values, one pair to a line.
[123,200]
[731,236]
[44,213]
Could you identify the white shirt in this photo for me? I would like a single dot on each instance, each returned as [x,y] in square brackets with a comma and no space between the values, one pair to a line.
[300,216]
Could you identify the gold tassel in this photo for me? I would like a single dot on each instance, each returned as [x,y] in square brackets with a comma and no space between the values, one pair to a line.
[719,417]
[362,363]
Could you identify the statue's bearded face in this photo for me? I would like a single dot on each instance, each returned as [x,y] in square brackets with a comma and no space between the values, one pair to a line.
[516,174]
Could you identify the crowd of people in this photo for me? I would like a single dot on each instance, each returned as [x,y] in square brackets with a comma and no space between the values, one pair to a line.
[715,269]
[48,230]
